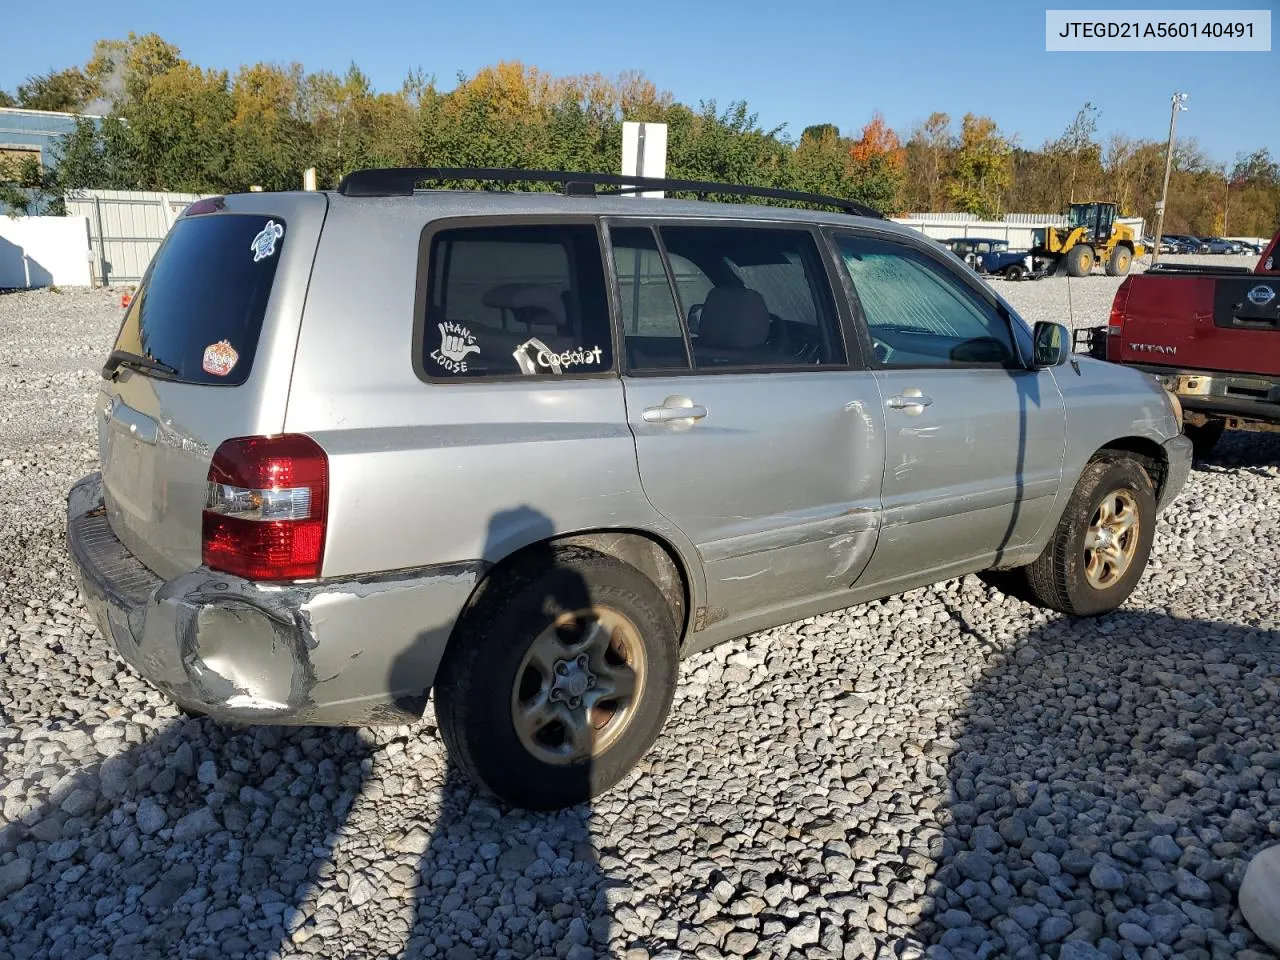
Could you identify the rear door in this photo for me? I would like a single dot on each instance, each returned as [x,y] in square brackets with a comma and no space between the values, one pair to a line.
[757,432]
[974,441]
[214,321]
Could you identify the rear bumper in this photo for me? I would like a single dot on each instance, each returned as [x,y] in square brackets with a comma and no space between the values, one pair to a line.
[1240,396]
[333,652]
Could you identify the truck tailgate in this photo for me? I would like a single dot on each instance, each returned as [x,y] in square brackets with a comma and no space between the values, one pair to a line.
[1212,323]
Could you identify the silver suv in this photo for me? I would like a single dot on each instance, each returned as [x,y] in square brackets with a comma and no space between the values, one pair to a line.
[529,449]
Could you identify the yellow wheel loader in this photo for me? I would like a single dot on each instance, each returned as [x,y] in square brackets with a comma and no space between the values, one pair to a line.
[1092,235]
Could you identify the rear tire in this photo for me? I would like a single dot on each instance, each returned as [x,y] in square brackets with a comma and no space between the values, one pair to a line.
[1014,271]
[1119,261]
[1080,260]
[1204,437]
[1084,571]
[504,717]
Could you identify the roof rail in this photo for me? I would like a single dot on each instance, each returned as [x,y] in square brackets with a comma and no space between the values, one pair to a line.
[400,182]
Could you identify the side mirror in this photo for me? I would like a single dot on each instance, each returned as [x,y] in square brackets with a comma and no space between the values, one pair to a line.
[1052,345]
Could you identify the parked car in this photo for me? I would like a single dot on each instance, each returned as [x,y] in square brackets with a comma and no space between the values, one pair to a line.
[971,249]
[1212,336]
[526,451]
[992,256]
[1013,264]
[1186,244]
[1220,245]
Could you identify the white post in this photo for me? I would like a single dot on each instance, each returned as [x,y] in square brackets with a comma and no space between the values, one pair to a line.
[644,153]
[309,178]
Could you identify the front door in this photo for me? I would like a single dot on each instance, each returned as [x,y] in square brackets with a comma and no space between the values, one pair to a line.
[754,433]
[974,440]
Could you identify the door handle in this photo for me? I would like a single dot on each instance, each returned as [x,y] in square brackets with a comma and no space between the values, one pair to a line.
[675,410]
[911,401]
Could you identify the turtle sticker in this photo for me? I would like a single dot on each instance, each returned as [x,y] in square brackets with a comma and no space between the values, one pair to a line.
[220,358]
[264,244]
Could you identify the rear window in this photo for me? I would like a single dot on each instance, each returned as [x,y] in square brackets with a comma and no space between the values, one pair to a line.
[201,305]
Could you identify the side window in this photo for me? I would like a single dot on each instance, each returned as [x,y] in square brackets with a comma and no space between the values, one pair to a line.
[762,297]
[919,314]
[516,301]
[651,326]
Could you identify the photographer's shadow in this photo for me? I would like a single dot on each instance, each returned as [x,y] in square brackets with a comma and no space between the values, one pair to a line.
[500,881]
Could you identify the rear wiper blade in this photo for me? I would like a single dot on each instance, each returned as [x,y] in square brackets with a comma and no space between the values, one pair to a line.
[125,358]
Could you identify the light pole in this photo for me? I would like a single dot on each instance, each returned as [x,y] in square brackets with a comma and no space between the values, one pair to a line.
[1178,101]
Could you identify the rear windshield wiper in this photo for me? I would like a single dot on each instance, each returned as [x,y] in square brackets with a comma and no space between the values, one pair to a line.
[125,358]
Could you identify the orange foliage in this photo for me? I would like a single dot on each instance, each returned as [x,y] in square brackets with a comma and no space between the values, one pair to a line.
[878,141]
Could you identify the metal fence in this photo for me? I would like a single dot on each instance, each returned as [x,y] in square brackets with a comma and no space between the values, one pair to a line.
[1017,228]
[125,228]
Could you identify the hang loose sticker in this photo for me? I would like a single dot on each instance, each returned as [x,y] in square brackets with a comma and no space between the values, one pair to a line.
[456,344]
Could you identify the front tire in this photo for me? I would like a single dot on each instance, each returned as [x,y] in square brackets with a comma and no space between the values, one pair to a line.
[1014,271]
[1119,261]
[1101,545]
[559,679]
[1080,260]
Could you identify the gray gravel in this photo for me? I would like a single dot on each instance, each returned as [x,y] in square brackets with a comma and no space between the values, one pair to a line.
[950,773]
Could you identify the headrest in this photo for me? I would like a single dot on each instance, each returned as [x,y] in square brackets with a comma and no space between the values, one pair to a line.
[735,318]
[532,303]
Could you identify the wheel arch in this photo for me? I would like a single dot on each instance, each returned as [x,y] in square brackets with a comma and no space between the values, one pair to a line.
[1151,455]
[650,554]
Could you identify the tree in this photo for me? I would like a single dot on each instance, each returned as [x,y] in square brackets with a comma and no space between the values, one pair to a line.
[878,162]
[7,99]
[1074,147]
[982,167]
[820,131]
[26,186]
[64,91]
[927,156]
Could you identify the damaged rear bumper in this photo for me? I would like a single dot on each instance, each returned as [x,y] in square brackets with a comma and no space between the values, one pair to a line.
[330,652]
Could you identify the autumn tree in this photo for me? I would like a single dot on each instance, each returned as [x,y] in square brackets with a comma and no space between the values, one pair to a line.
[927,157]
[878,164]
[982,167]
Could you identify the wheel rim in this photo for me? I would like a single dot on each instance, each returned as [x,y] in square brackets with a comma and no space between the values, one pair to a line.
[1112,539]
[578,685]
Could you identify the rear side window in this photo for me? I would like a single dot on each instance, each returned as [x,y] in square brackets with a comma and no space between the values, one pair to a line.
[201,306]
[526,300]
[746,297]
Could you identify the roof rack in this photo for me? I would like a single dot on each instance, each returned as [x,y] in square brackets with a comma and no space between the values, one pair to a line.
[400,182]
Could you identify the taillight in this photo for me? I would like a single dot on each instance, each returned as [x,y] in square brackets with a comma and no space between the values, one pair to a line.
[1115,325]
[266,506]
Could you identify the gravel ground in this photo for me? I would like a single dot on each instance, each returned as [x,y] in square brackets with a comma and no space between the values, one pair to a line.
[950,773]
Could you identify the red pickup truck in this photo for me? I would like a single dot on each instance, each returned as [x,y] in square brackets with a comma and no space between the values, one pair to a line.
[1212,336]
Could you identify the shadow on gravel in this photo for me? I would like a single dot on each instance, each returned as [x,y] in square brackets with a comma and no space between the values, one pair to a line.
[207,841]
[200,842]
[501,882]
[1243,449]
[1110,781]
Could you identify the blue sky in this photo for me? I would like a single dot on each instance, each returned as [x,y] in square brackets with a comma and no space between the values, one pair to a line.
[796,63]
